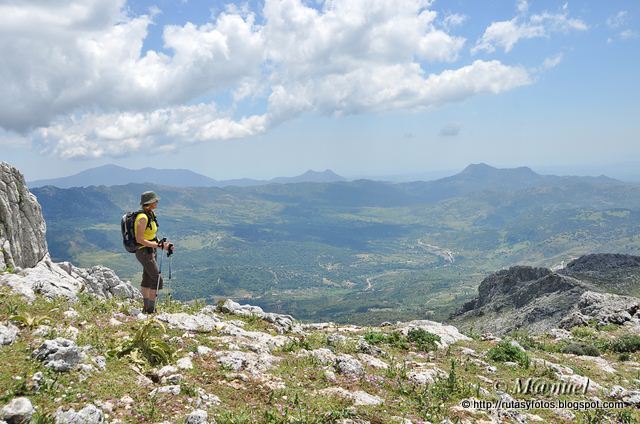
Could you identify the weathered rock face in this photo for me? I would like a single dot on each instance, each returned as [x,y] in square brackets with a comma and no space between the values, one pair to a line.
[53,279]
[605,308]
[539,299]
[602,262]
[610,272]
[24,251]
[22,228]
[521,296]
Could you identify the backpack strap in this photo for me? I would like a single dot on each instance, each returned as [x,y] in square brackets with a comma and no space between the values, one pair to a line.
[150,217]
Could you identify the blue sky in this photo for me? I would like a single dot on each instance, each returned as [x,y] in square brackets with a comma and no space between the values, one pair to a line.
[268,88]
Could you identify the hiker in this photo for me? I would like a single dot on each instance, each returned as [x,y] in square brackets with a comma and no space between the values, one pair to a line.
[146,227]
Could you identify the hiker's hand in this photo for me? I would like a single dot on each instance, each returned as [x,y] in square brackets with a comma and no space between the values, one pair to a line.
[170,249]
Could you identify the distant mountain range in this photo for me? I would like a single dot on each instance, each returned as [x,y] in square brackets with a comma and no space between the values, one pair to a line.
[475,177]
[112,175]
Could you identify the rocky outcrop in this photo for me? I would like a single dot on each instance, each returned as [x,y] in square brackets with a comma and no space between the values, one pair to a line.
[25,264]
[601,263]
[53,279]
[22,227]
[603,308]
[521,296]
[609,272]
[540,299]
[283,323]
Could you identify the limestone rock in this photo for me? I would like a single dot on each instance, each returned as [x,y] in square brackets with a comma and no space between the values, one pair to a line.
[60,354]
[204,350]
[257,341]
[336,339]
[283,323]
[323,355]
[424,375]
[90,414]
[608,307]
[102,281]
[448,333]
[171,389]
[206,399]
[201,323]
[8,333]
[53,279]
[252,362]
[358,397]
[373,362]
[23,250]
[22,227]
[560,334]
[199,416]
[348,365]
[19,410]
[185,363]
[167,370]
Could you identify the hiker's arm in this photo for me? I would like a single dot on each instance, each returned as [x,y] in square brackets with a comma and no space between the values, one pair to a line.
[142,224]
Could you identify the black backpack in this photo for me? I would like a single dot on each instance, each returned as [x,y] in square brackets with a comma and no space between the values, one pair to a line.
[127,225]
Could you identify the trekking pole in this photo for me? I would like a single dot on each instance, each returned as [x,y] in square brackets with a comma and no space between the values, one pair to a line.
[170,256]
[157,284]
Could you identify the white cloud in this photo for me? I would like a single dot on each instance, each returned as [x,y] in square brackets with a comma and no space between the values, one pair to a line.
[454,20]
[552,62]
[628,34]
[522,6]
[618,20]
[505,34]
[93,92]
[115,134]
[85,55]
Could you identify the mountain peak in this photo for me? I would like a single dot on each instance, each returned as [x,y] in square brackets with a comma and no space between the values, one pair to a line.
[325,172]
[478,167]
[483,168]
[326,176]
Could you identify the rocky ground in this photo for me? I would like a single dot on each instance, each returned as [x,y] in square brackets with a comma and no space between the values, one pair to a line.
[96,360]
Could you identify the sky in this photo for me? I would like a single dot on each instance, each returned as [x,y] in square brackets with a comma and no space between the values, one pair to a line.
[272,88]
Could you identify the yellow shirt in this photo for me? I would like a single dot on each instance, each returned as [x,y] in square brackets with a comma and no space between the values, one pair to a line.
[149,233]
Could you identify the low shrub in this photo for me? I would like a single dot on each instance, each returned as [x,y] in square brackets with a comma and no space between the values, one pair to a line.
[506,352]
[628,343]
[581,349]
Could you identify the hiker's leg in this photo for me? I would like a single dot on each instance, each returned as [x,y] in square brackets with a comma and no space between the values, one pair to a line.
[151,278]
[150,275]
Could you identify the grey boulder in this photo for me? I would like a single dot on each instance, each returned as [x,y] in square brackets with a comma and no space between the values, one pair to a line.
[19,410]
[60,354]
[90,414]
[8,333]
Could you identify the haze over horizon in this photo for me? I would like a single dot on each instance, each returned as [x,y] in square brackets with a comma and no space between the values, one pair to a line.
[274,88]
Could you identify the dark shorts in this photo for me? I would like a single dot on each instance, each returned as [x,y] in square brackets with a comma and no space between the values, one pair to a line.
[150,272]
